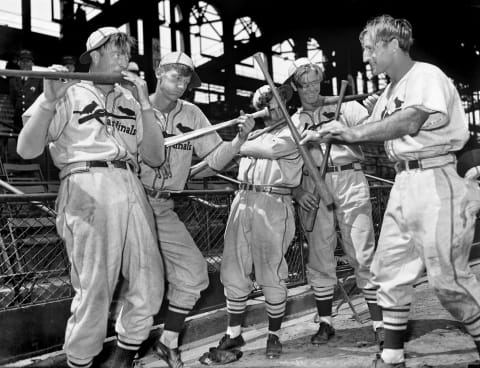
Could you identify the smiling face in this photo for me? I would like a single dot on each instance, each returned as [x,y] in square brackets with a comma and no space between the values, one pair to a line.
[378,54]
[111,59]
[308,86]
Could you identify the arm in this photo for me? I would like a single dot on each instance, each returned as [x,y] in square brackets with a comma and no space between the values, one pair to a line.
[33,136]
[152,148]
[226,151]
[403,122]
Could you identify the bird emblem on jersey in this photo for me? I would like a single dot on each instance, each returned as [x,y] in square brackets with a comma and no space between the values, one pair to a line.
[92,111]
[183,129]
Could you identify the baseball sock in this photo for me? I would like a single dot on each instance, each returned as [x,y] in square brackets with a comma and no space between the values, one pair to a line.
[395,320]
[174,321]
[472,325]
[123,358]
[375,310]
[275,312]
[324,301]
[236,310]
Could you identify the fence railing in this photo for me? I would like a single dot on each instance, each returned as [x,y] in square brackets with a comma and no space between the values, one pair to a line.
[34,267]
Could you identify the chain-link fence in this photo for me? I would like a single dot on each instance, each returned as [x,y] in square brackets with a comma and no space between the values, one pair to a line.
[35,269]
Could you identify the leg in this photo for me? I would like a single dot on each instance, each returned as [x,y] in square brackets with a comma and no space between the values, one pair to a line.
[321,270]
[396,265]
[447,248]
[186,269]
[271,237]
[93,238]
[354,215]
[236,267]
[142,269]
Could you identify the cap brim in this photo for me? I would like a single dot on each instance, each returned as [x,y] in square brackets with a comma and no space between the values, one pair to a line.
[195,81]
[85,57]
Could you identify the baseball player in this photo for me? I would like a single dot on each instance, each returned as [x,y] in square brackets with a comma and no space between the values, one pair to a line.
[352,208]
[430,216]
[95,133]
[186,268]
[260,227]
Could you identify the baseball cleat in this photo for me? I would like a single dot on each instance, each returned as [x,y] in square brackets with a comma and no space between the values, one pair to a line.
[170,356]
[325,332]
[274,347]
[227,343]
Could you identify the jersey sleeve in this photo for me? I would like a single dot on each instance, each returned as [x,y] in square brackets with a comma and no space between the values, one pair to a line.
[204,145]
[429,90]
[353,113]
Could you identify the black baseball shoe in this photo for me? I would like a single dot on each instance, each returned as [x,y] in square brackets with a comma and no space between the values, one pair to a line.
[227,343]
[325,332]
[170,356]
[380,337]
[274,347]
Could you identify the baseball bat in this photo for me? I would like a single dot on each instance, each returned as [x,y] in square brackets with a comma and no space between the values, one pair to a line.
[310,217]
[321,190]
[171,141]
[100,78]
[332,100]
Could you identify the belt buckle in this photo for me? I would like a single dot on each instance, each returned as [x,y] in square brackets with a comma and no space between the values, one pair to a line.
[268,189]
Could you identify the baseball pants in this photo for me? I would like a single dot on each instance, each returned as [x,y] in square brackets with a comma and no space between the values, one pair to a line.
[429,223]
[108,229]
[353,212]
[259,230]
[185,265]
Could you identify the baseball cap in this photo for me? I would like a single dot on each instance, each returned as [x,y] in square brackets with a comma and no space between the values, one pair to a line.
[96,40]
[295,65]
[67,59]
[25,54]
[178,57]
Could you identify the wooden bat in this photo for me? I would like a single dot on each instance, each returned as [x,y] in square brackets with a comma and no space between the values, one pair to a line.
[328,146]
[332,100]
[100,78]
[321,190]
[171,141]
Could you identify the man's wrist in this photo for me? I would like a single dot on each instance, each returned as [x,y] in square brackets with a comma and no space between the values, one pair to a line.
[48,105]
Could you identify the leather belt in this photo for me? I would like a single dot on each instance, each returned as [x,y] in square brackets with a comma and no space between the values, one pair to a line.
[157,194]
[265,189]
[425,163]
[357,166]
[84,166]
[337,168]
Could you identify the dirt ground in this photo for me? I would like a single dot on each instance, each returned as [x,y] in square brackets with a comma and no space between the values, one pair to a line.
[435,340]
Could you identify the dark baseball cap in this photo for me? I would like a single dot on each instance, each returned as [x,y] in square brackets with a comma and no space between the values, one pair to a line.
[25,54]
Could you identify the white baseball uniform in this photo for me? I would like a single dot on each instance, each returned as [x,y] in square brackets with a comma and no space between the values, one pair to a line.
[261,224]
[104,218]
[430,216]
[185,265]
[352,207]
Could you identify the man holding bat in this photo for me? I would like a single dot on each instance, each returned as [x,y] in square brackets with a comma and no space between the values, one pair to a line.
[186,269]
[352,208]
[430,216]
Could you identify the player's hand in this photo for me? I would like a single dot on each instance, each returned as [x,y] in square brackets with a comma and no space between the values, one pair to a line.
[334,130]
[54,89]
[245,125]
[370,102]
[306,200]
[138,87]
[262,97]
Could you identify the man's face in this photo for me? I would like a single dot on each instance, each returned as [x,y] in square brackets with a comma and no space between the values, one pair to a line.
[25,64]
[112,60]
[309,88]
[377,54]
[172,83]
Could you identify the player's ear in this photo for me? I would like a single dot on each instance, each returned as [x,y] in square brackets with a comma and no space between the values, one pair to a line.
[95,56]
